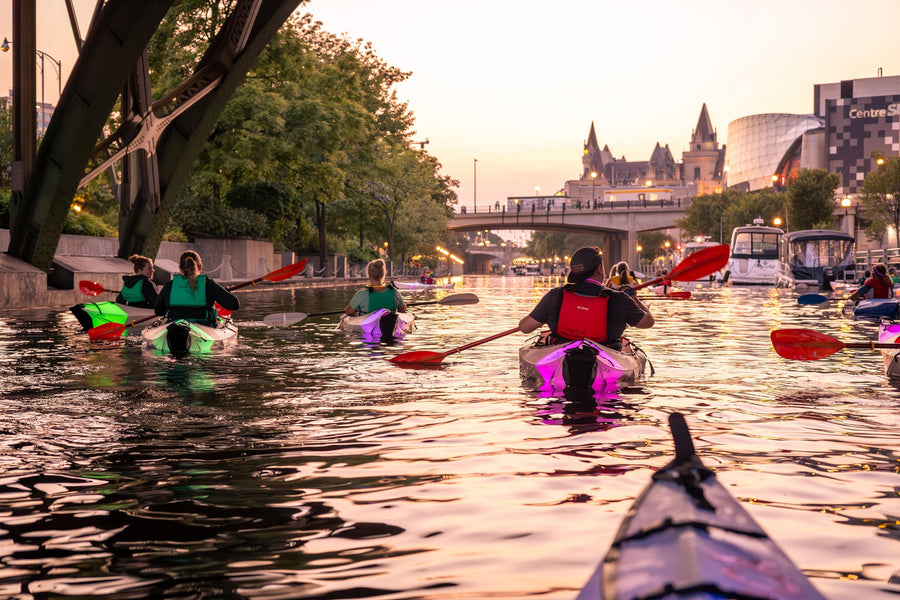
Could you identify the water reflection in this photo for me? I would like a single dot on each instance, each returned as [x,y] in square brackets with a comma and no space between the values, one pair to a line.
[303,464]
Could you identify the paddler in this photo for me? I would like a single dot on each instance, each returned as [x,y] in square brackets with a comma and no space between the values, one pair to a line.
[879,285]
[192,296]
[620,276]
[427,276]
[377,294]
[585,308]
[138,289]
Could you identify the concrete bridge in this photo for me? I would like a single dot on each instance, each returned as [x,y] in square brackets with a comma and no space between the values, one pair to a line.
[616,223]
[479,259]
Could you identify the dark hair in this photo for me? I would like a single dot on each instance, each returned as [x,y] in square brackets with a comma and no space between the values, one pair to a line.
[190,266]
[139,262]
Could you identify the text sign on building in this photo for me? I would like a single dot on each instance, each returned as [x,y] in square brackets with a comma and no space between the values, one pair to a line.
[857,127]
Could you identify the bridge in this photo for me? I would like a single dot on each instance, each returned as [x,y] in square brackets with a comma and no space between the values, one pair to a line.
[616,223]
[480,259]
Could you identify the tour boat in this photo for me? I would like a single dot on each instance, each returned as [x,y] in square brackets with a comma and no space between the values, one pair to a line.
[710,281]
[889,333]
[418,285]
[754,254]
[582,363]
[180,336]
[814,257]
[381,324]
[94,314]
[687,537]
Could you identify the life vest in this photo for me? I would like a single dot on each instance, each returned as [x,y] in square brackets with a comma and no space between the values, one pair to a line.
[383,299]
[582,317]
[185,303]
[134,293]
[616,281]
[879,288]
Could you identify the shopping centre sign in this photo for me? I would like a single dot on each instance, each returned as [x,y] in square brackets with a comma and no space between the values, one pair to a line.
[892,110]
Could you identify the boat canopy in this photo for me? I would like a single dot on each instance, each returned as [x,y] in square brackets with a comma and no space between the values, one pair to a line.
[755,242]
[817,248]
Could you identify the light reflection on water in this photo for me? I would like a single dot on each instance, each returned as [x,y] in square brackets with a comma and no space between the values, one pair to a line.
[302,464]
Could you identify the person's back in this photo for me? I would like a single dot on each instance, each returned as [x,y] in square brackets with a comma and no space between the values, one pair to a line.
[138,289]
[377,294]
[193,296]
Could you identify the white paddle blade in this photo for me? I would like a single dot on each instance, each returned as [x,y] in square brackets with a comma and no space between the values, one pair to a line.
[283,319]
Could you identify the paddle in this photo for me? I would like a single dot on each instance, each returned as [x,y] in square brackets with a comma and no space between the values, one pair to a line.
[806,344]
[809,299]
[426,357]
[698,265]
[92,288]
[111,331]
[286,319]
[669,296]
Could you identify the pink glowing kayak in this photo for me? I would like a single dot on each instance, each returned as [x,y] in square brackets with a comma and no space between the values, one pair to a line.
[381,324]
[583,364]
[889,333]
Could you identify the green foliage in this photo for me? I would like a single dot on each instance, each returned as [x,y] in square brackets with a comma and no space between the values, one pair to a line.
[810,199]
[6,144]
[4,210]
[706,215]
[764,204]
[209,217]
[881,199]
[653,244]
[358,254]
[84,223]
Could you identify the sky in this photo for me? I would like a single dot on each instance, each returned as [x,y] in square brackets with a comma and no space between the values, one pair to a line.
[516,85]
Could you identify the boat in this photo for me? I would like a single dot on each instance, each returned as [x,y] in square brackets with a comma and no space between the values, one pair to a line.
[710,281]
[582,364]
[180,336]
[686,537]
[814,257]
[889,333]
[754,254]
[378,325]
[876,309]
[94,314]
[418,285]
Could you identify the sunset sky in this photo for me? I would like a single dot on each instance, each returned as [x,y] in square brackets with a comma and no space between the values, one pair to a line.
[516,85]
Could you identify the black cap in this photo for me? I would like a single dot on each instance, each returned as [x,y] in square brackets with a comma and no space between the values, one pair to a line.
[583,262]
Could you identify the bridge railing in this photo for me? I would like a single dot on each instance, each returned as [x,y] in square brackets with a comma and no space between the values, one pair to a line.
[563,204]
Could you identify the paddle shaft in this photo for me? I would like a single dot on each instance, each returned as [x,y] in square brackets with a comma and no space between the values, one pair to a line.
[338,312]
[482,341]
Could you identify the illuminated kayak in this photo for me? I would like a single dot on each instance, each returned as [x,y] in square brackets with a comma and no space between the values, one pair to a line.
[94,314]
[382,323]
[179,337]
[889,333]
[418,285]
[583,364]
[687,537]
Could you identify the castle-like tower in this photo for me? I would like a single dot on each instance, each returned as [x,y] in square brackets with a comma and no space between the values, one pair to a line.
[704,162]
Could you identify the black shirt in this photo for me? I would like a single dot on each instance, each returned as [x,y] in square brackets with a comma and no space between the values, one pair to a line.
[620,311]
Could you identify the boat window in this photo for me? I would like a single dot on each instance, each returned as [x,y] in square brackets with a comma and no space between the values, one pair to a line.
[755,245]
[822,253]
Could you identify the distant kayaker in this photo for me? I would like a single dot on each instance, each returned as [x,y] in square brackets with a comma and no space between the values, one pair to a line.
[879,285]
[192,296]
[138,289]
[377,294]
[585,308]
[427,276]
[620,276]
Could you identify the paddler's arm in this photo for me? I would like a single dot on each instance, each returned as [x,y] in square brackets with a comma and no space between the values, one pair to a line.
[647,321]
[529,324]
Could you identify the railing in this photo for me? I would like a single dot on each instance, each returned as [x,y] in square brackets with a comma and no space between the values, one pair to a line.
[578,205]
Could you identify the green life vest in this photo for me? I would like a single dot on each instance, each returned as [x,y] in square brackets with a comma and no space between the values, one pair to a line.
[185,303]
[135,293]
[384,299]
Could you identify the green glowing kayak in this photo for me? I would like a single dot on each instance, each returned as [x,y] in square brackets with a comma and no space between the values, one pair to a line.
[181,337]
[94,314]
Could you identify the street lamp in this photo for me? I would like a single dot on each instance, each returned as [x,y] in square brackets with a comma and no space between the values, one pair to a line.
[475,187]
[639,249]
[593,197]
[846,202]
[57,64]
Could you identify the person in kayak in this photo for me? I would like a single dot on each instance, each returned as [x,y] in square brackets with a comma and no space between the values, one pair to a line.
[138,289]
[879,285]
[620,276]
[427,276]
[377,294]
[192,296]
[585,308]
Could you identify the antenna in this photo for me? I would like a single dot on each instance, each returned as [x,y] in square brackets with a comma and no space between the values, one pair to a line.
[421,144]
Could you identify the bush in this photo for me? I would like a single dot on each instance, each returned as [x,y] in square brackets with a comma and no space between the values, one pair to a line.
[82,223]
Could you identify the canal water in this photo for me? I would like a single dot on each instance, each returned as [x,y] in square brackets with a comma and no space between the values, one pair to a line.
[303,464]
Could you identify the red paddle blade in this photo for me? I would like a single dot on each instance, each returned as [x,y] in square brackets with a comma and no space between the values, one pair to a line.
[286,272]
[222,312]
[91,288]
[700,264]
[804,344]
[107,331]
[679,295]
[419,357]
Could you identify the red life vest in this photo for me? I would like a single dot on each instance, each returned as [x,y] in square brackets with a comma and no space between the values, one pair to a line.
[582,317]
[879,288]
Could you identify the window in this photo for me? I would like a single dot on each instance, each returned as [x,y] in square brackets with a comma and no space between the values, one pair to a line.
[696,173]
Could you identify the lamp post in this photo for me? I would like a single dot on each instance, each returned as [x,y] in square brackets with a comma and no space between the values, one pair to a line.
[593,197]
[57,64]
[475,187]
[846,202]
[666,245]
[639,249]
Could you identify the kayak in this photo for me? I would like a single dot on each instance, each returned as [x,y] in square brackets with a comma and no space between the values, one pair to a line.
[374,325]
[875,309]
[180,337]
[889,333]
[94,314]
[418,285]
[582,363]
[687,537]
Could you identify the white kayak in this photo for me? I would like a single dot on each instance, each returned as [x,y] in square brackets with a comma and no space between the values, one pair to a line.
[373,325]
[582,364]
[889,333]
[418,285]
[179,337]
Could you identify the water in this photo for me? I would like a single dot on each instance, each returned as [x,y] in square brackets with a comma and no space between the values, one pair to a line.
[303,464]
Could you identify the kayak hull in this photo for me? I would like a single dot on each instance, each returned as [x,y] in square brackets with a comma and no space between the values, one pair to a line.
[889,333]
[94,314]
[687,537]
[875,309]
[418,285]
[180,337]
[583,364]
[379,324]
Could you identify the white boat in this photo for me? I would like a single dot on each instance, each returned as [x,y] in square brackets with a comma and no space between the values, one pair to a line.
[582,364]
[754,254]
[180,336]
[418,285]
[889,333]
[707,282]
[814,258]
[373,325]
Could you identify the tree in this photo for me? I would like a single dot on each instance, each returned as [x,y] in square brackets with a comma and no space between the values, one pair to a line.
[706,215]
[764,204]
[810,199]
[881,196]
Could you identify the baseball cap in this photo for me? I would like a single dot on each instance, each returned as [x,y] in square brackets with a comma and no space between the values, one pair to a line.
[584,261]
